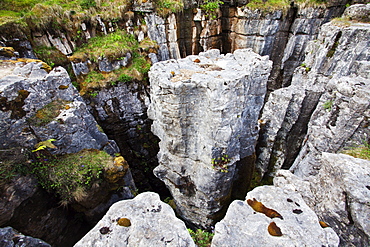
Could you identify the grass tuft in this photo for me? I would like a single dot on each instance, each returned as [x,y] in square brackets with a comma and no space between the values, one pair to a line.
[71,175]
[361,151]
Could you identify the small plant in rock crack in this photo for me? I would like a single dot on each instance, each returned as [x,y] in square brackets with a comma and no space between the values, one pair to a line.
[220,163]
[201,238]
[328,105]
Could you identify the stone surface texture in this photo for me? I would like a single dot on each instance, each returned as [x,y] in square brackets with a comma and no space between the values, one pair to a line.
[299,225]
[206,107]
[121,112]
[152,223]
[30,89]
[339,194]
[325,109]
[11,238]
[13,194]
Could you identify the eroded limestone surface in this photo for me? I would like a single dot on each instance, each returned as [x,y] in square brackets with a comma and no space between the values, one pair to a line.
[205,110]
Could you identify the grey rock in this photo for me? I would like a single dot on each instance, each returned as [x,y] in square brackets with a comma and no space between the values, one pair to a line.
[358,12]
[299,225]
[339,121]
[81,67]
[12,238]
[61,42]
[157,32]
[107,66]
[205,107]
[305,27]
[152,223]
[15,193]
[335,72]
[256,30]
[30,89]
[339,194]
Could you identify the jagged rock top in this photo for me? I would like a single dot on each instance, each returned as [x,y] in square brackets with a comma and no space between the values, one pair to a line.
[36,105]
[141,222]
[271,216]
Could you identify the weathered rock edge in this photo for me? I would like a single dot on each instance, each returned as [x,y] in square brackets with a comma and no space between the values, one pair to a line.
[151,222]
[205,108]
[297,223]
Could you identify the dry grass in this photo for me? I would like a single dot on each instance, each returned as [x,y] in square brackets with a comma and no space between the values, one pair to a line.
[362,152]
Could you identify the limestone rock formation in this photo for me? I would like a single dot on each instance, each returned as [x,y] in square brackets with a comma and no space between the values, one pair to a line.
[37,106]
[121,112]
[143,221]
[205,110]
[15,193]
[339,194]
[11,238]
[271,216]
[328,100]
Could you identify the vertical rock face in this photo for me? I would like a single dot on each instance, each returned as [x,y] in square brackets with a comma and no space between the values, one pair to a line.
[304,28]
[121,111]
[328,100]
[205,110]
[271,216]
[339,194]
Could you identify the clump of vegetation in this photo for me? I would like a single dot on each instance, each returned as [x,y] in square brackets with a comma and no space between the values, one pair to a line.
[51,56]
[12,163]
[307,69]
[328,105]
[7,172]
[70,175]
[166,7]
[210,7]
[201,238]
[48,113]
[125,78]
[361,151]
[269,5]
[220,163]
[112,46]
[273,5]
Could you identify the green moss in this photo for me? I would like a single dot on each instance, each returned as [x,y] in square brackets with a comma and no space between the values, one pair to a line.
[273,5]
[51,56]
[113,46]
[269,5]
[210,7]
[166,7]
[48,113]
[71,175]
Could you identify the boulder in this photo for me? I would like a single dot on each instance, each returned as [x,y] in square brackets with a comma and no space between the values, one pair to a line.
[271,216]
[339,194]
[204,110]
[143,221]
[358,12]
[38,106]
[12,238]
[14,194]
